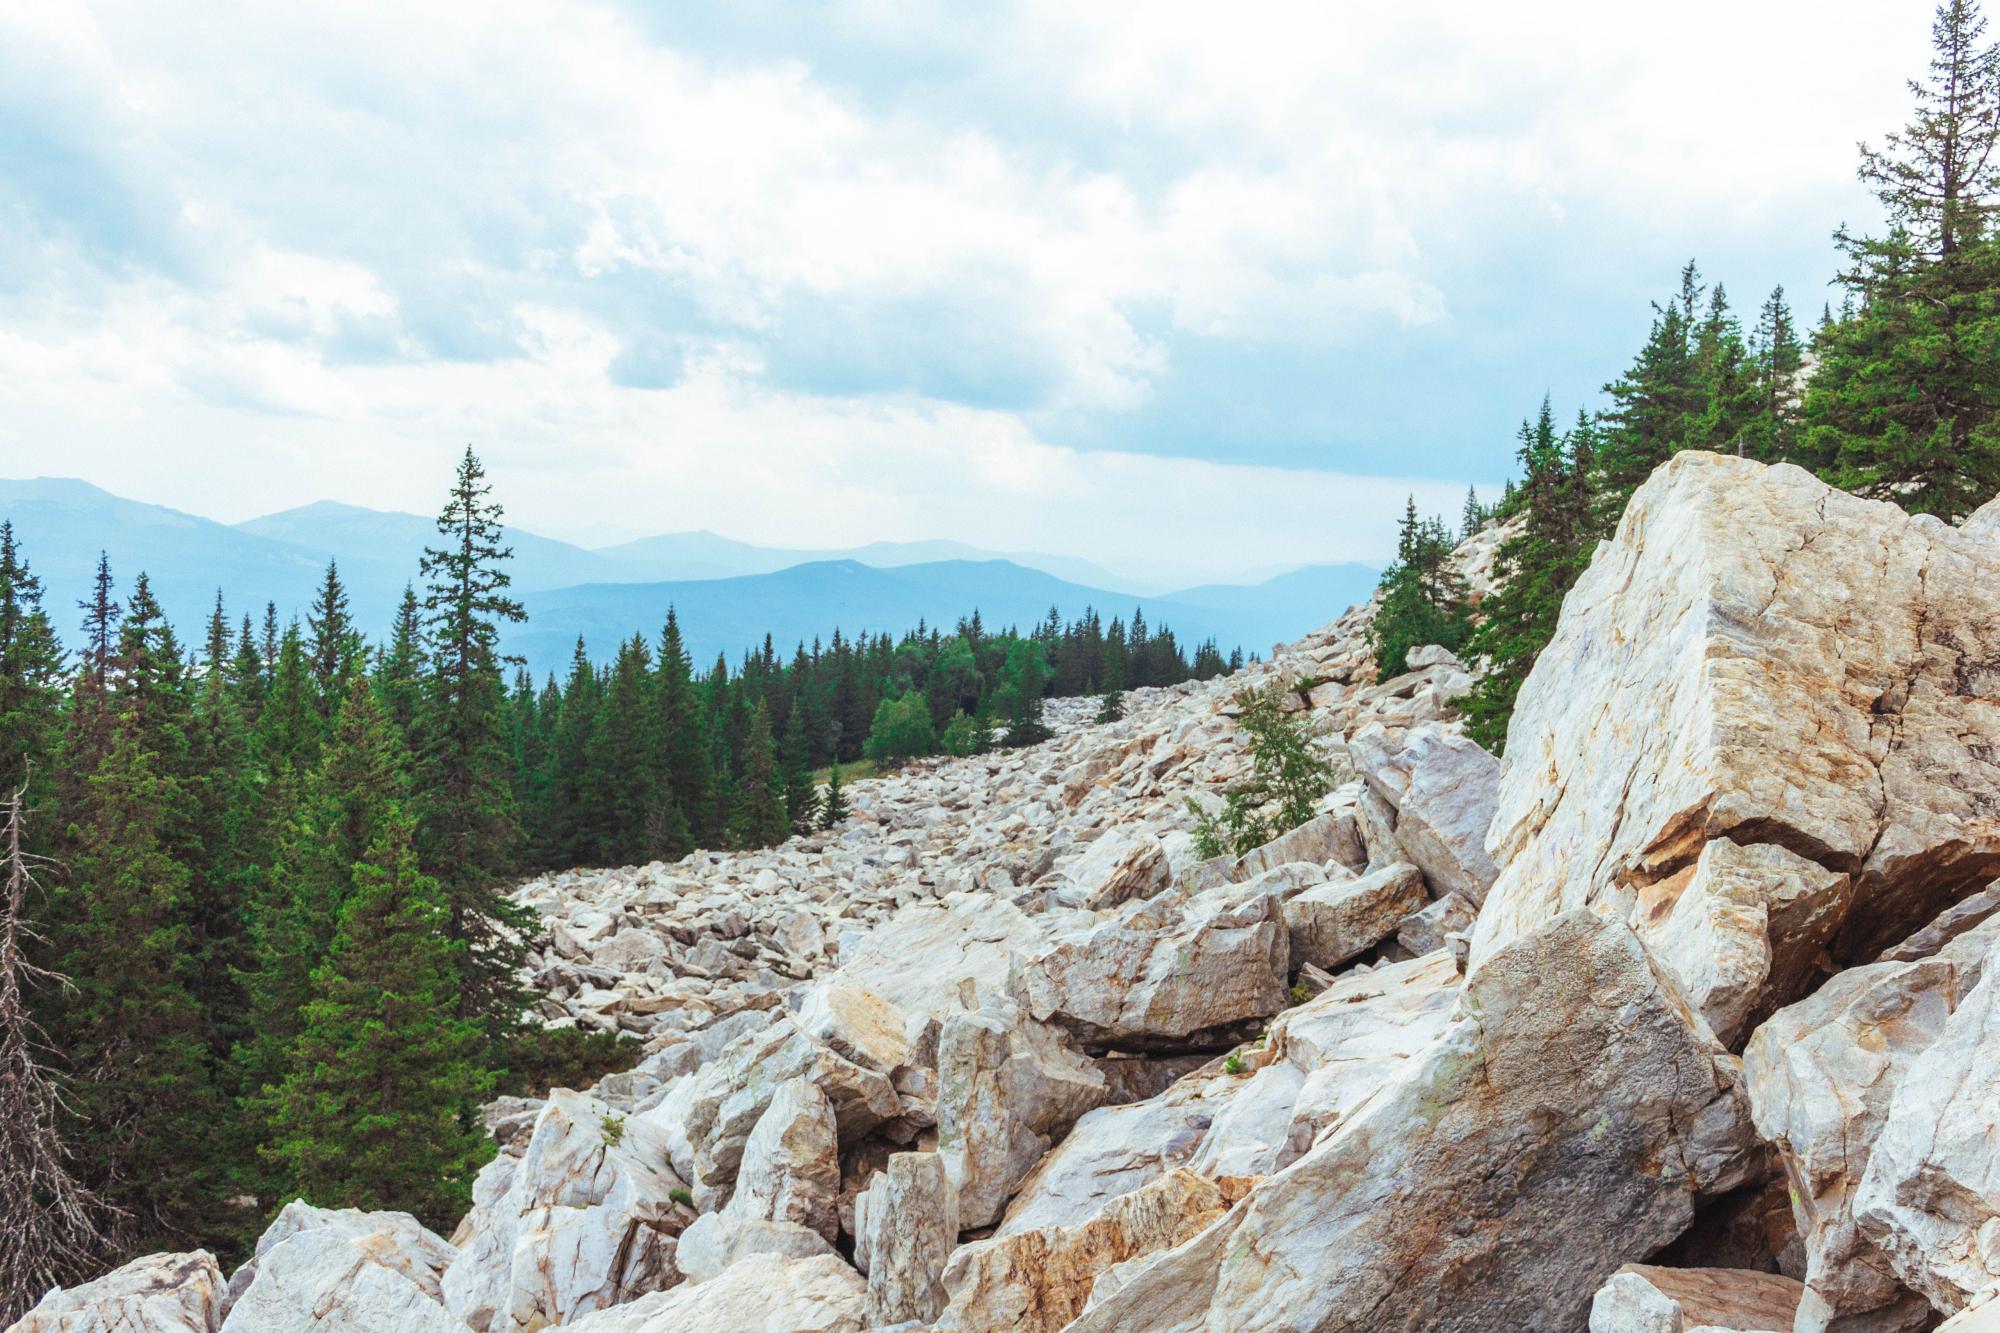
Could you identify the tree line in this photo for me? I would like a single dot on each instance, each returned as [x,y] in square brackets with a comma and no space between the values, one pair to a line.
[255,940]
[1894,395]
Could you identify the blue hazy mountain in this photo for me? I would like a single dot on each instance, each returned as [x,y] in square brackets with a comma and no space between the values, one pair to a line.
[729,593]
[808,601]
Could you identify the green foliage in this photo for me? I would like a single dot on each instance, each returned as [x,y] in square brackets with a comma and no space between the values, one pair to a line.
[682,1197]
[761,818]
[380,1108]
[613,1129]
[1289,774]
[1300,992]
[964,736]
[832,806]
[901,731]
[1423,598]
[539,1058]
[1536,567]
[1234,1066]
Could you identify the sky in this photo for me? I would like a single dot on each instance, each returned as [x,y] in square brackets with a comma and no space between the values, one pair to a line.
[1183,288]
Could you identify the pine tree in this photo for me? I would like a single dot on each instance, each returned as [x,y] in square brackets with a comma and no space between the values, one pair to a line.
[1111,707]
[289,725]
[1777,357]
[801,801]
[833,806]
[142,1106]
[1422,597]
[1905,401]
[1473,517]
[760,818]
[334,645]
[1652,403]
[1536,568]
[381,1107]
[399,672]
[31,674]
[620,796]
[340,809]
[684,746]
[468,835]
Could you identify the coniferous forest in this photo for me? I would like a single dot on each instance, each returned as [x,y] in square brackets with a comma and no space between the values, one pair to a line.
[1893,394]
[260,878]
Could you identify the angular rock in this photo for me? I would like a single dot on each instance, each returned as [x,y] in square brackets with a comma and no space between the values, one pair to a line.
[1334,923]
[1008,1087]
[907,1222]
[584,1220]
[1930,1197]
[1639,1299]
[708,1117]
[328,1271]
[717,1242]
[791,1164]
[1444,788]
[918,958]
[1115,1150]
[1119,867]
[158,1293]
[1575,1102]
[1157,974]
[1426,931]
[761,1294]
[1038,1281]
[1961,916]
[1325,839]
[1822,1075]
[1983,1318]
[1742,929]
[1759,657]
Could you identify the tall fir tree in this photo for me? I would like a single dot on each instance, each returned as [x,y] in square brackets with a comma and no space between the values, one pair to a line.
[380,1109]
[333,646]
[1905,401]
[31,682]
[760,818]
[468,836]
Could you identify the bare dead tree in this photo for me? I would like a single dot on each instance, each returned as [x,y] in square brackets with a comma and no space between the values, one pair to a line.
[51,1224]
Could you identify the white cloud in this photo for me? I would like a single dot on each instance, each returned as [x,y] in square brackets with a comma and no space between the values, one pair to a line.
[289,252]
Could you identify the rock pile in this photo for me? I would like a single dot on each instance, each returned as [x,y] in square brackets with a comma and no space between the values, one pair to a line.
[1682,1017]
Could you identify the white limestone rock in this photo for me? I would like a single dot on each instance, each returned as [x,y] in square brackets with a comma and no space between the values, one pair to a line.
[344,1271]
[157,1293]
[761,1294]
[907,1221]
[1334,923]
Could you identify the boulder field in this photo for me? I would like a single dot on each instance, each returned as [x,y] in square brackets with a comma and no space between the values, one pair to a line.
[1681,1017]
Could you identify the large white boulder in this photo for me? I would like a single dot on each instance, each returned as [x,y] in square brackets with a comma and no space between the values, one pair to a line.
[1008,1088]
[791,1164]
[1443,788]
[1823,1075]
[906,1223]
[1569,1118]
[1332,924]
[1641,1299]
[343,1271]
[762,1294]
[584,1220]
[1757,656]
[157,1293]
[1038,1281]
[1158,973]
[1930,1197]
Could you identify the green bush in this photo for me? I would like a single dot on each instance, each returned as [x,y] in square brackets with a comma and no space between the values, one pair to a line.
[542,1058]
[901,732]
[1288,775]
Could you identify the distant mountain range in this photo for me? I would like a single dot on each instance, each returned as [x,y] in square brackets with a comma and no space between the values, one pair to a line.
[729,594]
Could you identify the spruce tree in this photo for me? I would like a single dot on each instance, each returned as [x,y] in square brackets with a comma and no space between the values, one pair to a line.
[684,757]
[1535,569]
[289,724]
[141,1102]
[1422,596]
[760,818]
[1111,707]
[380,1109]
[833,806]
[334,645]
[467,833]
[620,796]
[31,677]
[1905,401]
[1777,357]
[400,668]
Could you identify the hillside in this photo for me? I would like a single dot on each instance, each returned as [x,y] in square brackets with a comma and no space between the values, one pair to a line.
[1637,1029]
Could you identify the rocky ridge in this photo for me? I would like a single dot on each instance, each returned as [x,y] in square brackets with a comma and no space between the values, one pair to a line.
[1680,1018]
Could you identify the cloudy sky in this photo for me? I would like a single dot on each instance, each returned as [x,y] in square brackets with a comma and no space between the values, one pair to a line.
[1185,288]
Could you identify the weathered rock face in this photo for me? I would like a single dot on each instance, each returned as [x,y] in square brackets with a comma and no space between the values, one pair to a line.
[1158,974]
[717,1242]
[1759,657]
[1038,1281]
[1983,1318]
[583,1220]
[1639,1299]
[1443,788]
[1337,922]
[320,1269]
[1822,1075]
[1930,1197]
[762,1294]
[1118,868]
[159,1293]
[907,1223]
[1742,929]
[1576,1101]
[1008,1088]
[791,1165]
